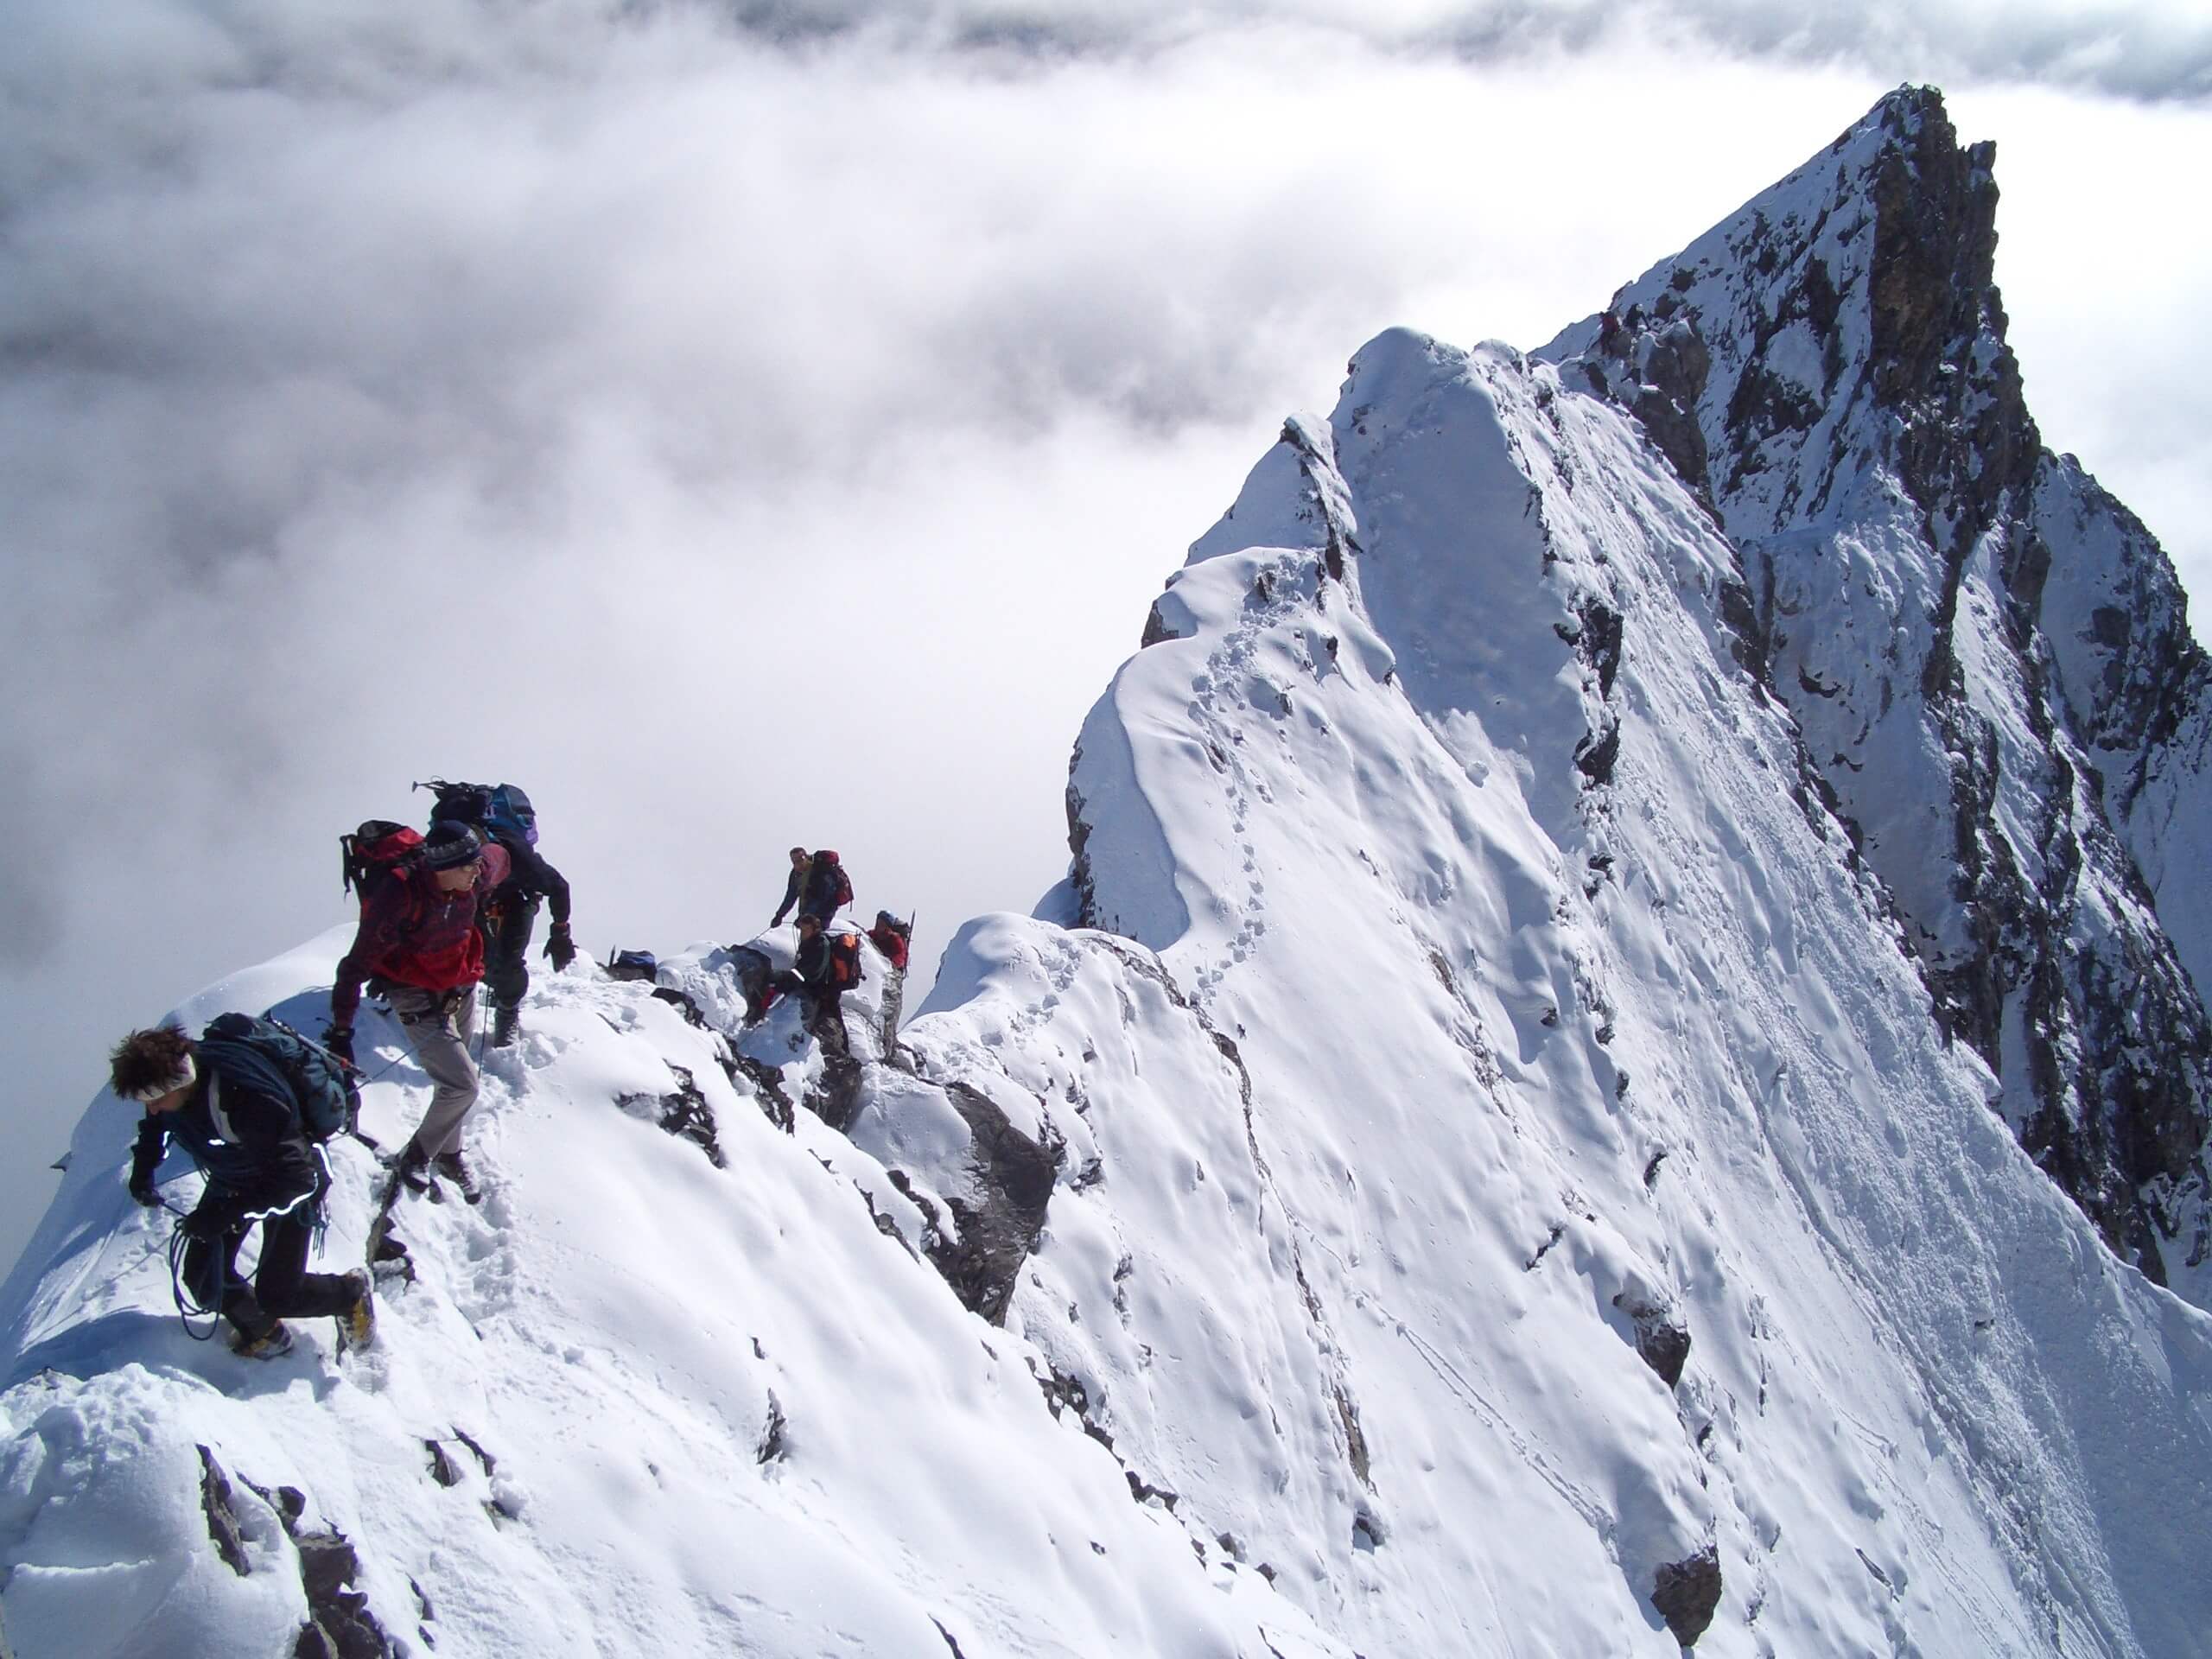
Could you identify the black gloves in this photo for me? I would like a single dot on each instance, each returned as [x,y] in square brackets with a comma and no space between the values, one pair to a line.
[339,1040]
[559,947]
[141,1190]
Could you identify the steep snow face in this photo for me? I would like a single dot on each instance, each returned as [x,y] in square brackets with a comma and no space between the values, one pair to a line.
[1986,656]
[1574,1030]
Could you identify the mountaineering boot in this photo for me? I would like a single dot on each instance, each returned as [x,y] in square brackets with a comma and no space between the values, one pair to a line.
[503,1027]
[413,1169]
[357,1324]
[270,1344]
[449,1164]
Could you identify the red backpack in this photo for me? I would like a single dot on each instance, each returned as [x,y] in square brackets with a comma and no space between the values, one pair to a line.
[844,881]
[376,851]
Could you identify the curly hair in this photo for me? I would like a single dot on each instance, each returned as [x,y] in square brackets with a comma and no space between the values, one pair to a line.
[147,1058]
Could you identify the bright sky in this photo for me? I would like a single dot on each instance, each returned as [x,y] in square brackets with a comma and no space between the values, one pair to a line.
[742,438]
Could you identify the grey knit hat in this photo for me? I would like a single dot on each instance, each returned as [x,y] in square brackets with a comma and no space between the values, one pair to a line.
[450,844]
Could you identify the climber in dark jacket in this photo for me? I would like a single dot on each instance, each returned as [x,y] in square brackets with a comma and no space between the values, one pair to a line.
[508,917]
[826,967]
[261,1169]
[817,885]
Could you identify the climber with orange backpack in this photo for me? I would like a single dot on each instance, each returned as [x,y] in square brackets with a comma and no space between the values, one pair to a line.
[827,966]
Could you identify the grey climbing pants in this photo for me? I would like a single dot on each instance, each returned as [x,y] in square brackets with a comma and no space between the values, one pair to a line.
[440,1027]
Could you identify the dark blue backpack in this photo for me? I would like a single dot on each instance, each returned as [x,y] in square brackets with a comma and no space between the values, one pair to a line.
[268,1058]
[503,811]
[509,814]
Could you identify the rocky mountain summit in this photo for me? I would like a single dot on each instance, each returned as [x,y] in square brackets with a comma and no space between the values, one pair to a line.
[1616,1070]
[1987,655]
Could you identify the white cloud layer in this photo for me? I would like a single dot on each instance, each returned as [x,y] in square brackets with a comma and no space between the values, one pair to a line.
[2153,50]
[737,441]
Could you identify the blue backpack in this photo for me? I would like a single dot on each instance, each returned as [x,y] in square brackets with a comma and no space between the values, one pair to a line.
[503,811]
[509,814]
[268,1058]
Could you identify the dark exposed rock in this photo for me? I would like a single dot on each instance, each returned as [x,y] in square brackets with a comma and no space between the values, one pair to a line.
[339,1624]
[1079,876]
[1596,638]
[1144,1492]
[1155,629]
[775,1104]
[218,1502]
[1557,1233]
[1675,365]
[837,1101]
[772,1436]
[339,1620]
[1354,1437]
[1595,756]
[997,1234]
[1661,1337]
[444,1468]
[490,1462]
[1687,1594]
[684,1113]
[682,1003]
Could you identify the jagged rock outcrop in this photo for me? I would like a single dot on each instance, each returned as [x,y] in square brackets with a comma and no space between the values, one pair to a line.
[1986,656]
[1687,1592]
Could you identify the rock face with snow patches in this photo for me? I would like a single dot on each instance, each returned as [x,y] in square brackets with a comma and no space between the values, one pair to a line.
[1987,655]
[1491,1151]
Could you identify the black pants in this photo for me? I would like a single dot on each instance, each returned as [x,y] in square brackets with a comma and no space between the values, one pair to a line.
[282,1288]
[506,951]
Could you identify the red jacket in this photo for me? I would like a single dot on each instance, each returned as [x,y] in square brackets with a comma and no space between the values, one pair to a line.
[413,934]
[891,942]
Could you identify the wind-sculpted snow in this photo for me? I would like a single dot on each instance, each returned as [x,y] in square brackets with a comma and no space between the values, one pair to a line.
[1529,1051]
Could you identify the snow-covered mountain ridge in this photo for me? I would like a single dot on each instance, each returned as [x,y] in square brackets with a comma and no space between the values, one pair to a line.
[1474,1161]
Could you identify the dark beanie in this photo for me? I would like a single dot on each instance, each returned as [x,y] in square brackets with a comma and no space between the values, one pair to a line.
[450,844]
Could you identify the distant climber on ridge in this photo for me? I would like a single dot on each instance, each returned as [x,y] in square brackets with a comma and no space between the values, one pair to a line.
[419,949]
[234,1102]
[892,938]
[818,885]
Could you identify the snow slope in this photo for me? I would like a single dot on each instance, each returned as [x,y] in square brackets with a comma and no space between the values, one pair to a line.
[1470,1163]
[1529,1050]
[718,1410]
